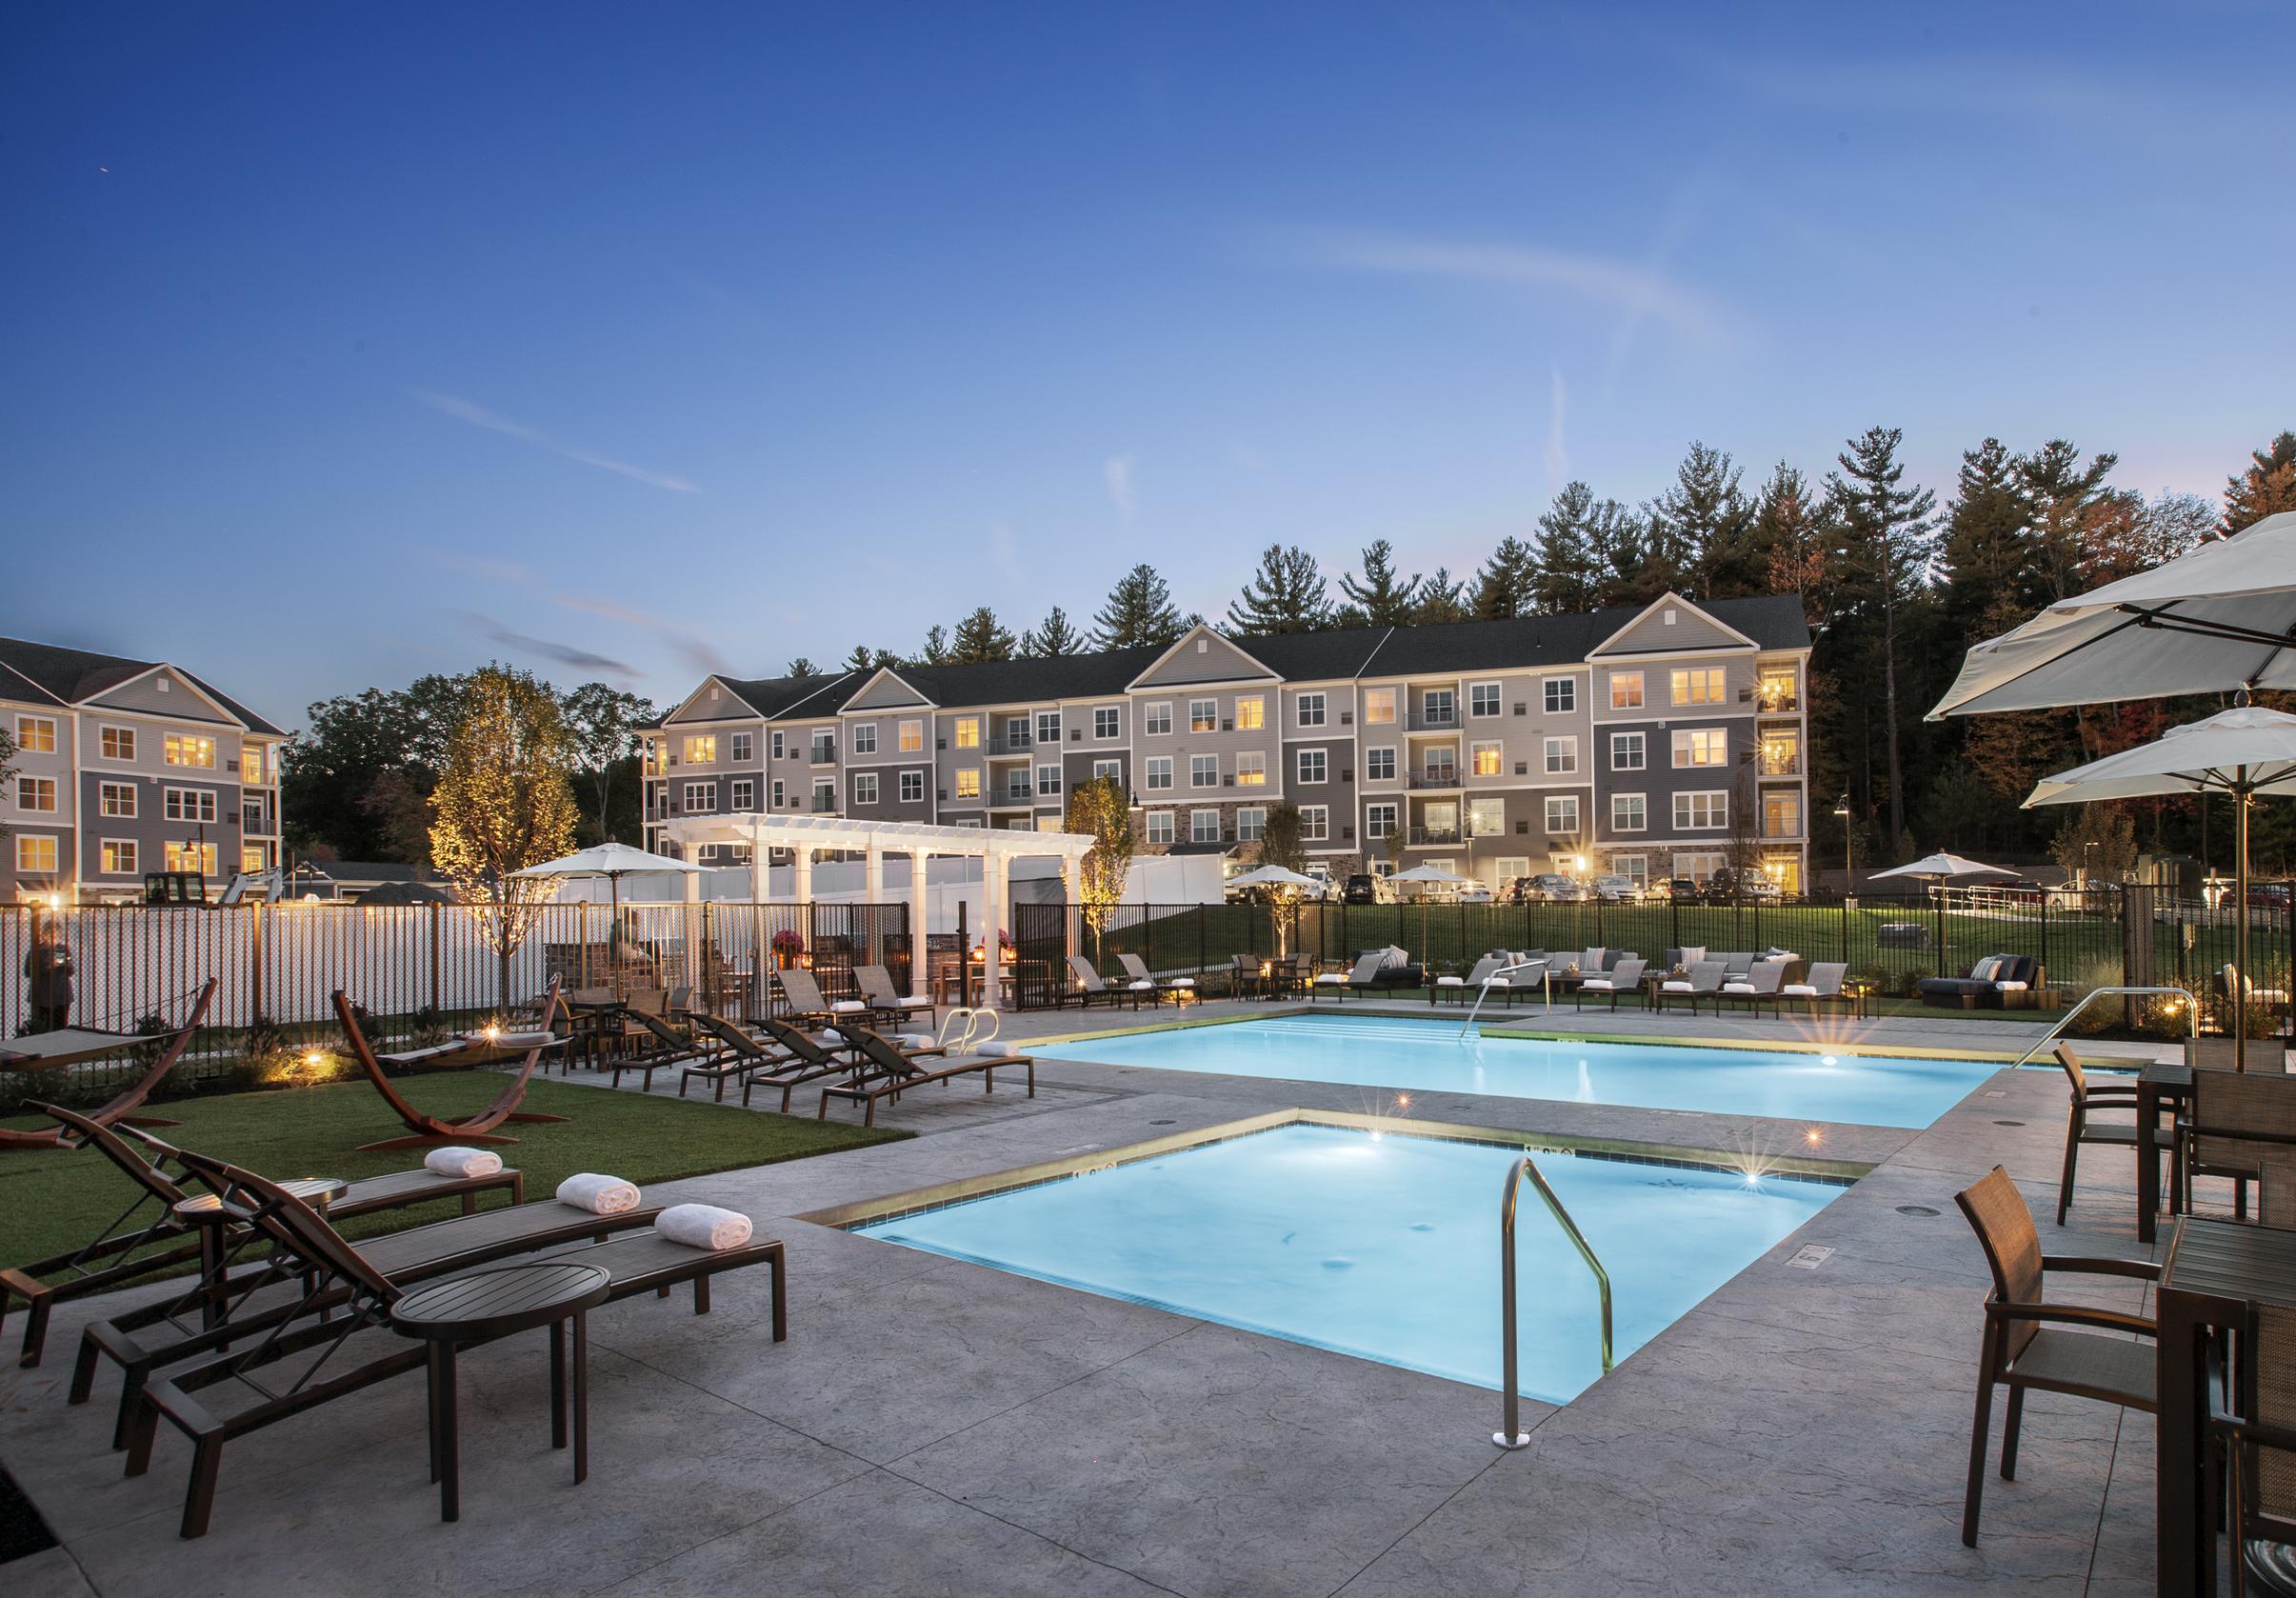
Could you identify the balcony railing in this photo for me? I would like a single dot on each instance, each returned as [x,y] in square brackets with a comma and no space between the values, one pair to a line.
[1781,766]
[824,804]
[1436,776]
[1435,720]
[824,754]
[1022,744]
[1425,835]
[1783,702]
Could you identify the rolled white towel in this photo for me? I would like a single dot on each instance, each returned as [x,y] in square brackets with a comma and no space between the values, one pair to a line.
[831,1036]
[1330,979]
[1450,982]
[911,1040]
[458,1160]
[1142,986]
[919,1000]
[500,1039]
[995,1050]
[1677,988]
[847,1007]
[704,1225]
[1799,991]
[1181,982]
[1737,987]
[2009,988]
[1601,983]
[600,1195]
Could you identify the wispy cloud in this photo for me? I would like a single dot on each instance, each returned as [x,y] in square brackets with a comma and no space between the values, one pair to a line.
[691,647]
[1116,473]
[478,417]
[1558,458]
[562,654]
[1619,285]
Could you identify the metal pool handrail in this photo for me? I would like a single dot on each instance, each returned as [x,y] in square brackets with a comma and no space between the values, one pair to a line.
[1546,988]
[2193,1015]
[1509,1437]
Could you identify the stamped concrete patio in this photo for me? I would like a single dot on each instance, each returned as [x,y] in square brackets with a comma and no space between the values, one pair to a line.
[935,1427]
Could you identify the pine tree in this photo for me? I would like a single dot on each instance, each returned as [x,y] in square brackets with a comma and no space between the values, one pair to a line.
[1698,541]
[1286,594]
[1885,530]
[1984,553]
[980,637]
[1379,598]
[2060,493]
[1566,582]
[1791,533]
[865,659]
[2265,489]
[1054,635]
[1442,598]
[1615,534]
[1506,585]
[936,646]
[802,667]
[1139,611]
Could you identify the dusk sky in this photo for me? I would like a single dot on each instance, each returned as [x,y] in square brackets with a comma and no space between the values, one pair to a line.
[630,341]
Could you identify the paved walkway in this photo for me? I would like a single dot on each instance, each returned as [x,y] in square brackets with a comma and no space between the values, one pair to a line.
[933,1426]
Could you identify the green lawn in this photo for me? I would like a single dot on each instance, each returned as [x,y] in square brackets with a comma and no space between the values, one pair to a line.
[54,1201]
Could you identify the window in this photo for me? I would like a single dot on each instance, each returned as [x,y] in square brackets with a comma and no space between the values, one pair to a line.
[250,763]
[1203,715]
[1483,699]
[1626,751]
[118,858]
[1379,820]
[1562,756]
[1107,771]
[37,853]
[969,782]
[825,748]
[1702,812]
[1204,771]
[1159,772]
[1487,760]
[781,793]
[1630,812]
[1108,722]
[1379,705]
[119,743]
[1509,867]
[1781,816]
[967,733]
[1626,690]
[1251,770]
[825,795]
[183,857]
[744,746]
[39,793]
[1048,726]
[1698,866]
[37,736]
[1701,746]
[780,746]
[1311,712]
[742,794]
[1159,827]
[1047,779]
[1487,818]
[116,799]
[1203,827]
[1442,767]
[1315,823]
[1562,813]
[1379,765]
[189,804]
[1157,720]
[1250,822]
[864,787]
[912,787]
[1017,732]
[701,798]
[863,739]
[1314,767]
[701,749]
[1439,708]
[1049,824]
[1561,695]
[1699,685]
[183,749]
[911,738]
[1634,868]
[1252,712]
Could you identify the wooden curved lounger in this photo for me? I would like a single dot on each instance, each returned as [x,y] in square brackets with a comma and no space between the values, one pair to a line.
[71,1045]
[424,1130]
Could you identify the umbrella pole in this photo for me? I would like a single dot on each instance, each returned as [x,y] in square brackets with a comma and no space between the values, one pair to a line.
[2240,799]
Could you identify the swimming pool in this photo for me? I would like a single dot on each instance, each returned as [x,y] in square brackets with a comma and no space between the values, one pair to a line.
[1429,1056]
[1382,1245]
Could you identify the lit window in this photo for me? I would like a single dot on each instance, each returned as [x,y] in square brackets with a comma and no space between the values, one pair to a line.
[183,748]
[118,858]
[1251,770]
[1487,818]
[119,744]
[1252,712]
[1626,690]
[701,749]
[1379,705]
[969,782]
[1701,746]
[1699,685]
[37,736]
[967,733]
[37,854]
[1203,715]
[254,857]
[912,736]
[1485,760]
[183,857]
[250,763]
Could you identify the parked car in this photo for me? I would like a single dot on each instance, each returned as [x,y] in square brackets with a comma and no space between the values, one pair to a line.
[1681,890]
[1614,889]
[1729,887]
[1554,889]
[1474,892]
[1360,888]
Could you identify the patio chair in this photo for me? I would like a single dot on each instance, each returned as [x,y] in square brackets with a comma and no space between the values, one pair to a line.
[1705,982]
[642,1002]
[810,1059]
[64,1047]
[345,1292]
[1177,989]
[1987,980]
[736,1055]
[2236,1119]
[1762,986]
[1091,986]
[1456,988]
[2080,1129]
[877,991]
[151,1236]
[665,1046]
[1625,977]
[2258,1437]
[1358,980]
[1295,976]
[806,1005]
[2025,1341]
[427,1130]
[890,1073]
[2226,978]
[1824,986]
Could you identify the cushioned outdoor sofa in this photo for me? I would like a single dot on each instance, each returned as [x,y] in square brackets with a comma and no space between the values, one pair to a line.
[1991,977]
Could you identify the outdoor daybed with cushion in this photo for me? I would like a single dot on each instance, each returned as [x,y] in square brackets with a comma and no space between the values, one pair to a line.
[1987,980]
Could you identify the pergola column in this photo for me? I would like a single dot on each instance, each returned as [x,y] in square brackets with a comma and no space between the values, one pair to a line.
[1071,887]
[872,891]
[920,902]
[801,873]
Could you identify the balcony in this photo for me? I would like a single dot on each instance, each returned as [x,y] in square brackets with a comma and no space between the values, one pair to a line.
[823,754]
[1023,744]
[1778,698]
[1787,764]
[1435,776]
[1425,836]
[1434,721]
[824,804]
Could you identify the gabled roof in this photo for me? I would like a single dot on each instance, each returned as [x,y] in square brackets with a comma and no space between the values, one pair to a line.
[1668,601]
[1208,630]
[781,696]
[1039,680]
[74,676]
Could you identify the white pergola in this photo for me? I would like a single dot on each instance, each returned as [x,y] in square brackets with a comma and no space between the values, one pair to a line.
[805,836]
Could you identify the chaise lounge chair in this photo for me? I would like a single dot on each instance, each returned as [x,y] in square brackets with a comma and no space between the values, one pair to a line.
[888,1073]
[1760,986]
[1177,989]
[1360,980]
[806,1005]
[735,1054]
[876,985]
[1705,982]
[1624,978]
[1091,986]
[1457,989]
[1824,986]
[477,1049]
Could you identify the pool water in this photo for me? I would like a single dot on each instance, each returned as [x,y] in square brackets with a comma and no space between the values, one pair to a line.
[1430,1056]
[1382,1245]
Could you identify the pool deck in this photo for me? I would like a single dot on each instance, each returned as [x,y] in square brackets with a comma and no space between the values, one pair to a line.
[935,1427]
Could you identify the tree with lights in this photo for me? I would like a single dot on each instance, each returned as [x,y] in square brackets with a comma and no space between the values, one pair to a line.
[1101,811]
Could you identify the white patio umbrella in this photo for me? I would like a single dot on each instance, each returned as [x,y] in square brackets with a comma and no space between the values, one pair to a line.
[2243,752]
[1273,876]
[2214,619]
[1941,867]
[614,861]
[1427,873]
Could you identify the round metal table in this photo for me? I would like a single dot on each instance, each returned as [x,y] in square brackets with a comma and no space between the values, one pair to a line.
[490,1304]
[212,1220]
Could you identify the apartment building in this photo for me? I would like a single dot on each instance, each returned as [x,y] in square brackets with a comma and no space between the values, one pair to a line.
[1647,741]
[124,767]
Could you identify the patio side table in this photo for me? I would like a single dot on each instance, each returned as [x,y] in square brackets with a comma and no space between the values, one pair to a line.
[491,1304]
[214,1221]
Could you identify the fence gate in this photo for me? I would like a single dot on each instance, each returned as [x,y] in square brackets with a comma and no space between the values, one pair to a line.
[1040,955]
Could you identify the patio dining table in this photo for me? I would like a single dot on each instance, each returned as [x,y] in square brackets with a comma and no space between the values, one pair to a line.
[2160,1085]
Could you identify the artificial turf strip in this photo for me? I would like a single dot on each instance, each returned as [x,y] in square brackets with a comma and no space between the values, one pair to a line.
[52,1201]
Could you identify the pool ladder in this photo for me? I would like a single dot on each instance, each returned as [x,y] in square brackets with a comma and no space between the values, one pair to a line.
[1546,988]
[2193,1014]
[1509,1435]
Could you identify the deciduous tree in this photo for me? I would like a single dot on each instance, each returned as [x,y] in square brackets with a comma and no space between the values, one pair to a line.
[2265,489]
[1099,810]
[603,724]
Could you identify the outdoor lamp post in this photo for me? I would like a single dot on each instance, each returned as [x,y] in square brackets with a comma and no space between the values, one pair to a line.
[1849,875]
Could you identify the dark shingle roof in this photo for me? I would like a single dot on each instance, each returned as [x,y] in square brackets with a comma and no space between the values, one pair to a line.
[72,677]
[1032,681]
[774,696]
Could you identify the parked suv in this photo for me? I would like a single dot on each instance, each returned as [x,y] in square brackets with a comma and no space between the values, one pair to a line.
[1360,889]
[1616,889]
